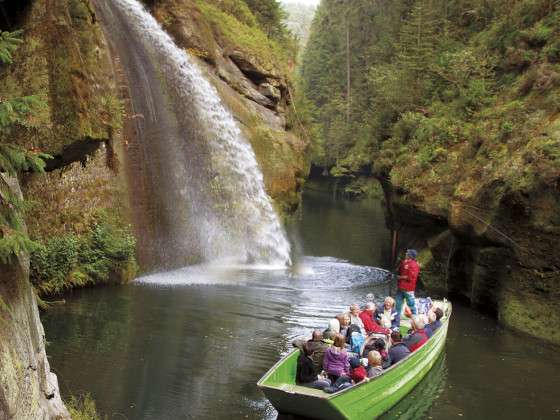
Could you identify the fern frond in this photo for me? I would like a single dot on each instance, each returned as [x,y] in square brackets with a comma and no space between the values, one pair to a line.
[9,41]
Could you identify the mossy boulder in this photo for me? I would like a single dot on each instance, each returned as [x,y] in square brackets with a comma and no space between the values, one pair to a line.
[434,262]
[531,312]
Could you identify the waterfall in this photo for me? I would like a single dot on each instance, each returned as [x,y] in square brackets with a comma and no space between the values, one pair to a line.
[210,202]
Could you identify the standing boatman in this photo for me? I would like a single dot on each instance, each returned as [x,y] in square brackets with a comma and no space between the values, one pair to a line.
[408,275]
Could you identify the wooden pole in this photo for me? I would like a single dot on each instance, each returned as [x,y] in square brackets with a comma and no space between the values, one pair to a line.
[394,247]
[348,64]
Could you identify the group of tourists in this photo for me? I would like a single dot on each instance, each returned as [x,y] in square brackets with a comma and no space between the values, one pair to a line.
[359,344]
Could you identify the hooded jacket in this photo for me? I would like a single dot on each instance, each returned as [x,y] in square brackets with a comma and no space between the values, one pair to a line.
[370,325]
[335,362]
[397,352]
[408,275]
[416,340]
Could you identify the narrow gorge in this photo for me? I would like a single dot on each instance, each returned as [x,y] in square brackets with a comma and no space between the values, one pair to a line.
[187,186]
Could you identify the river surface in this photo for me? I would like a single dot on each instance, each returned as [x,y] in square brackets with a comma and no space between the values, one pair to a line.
[191,344]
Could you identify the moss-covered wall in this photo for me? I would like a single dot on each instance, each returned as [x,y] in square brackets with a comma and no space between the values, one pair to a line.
[68,200]
[250,72]
[64,59]
[28,390]
[498,250]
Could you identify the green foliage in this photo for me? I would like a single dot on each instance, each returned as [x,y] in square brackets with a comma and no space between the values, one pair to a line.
[14,242]
[9,41]
[418,39]
[103,254]
[241,32]
[14,159]
[17,110]
[113,111]
[364,187]
[238,9]
[440,90]
[270,15]
[83,408]
[551,149]
[300,119]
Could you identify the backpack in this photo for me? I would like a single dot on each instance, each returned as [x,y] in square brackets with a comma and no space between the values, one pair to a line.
[353,328]
[423,305]
[305,371]
[357,342]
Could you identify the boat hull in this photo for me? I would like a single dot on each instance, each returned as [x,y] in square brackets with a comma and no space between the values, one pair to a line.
[363,401]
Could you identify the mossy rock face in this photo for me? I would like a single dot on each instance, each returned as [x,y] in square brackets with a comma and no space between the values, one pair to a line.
[67,200]
[29,390]
[185,21]
[531,313]
[504,256]
[281,155]
[434,262]
[69,204]
[252,85]
[64,59]
[494,176]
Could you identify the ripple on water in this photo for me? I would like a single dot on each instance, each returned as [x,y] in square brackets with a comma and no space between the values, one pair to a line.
[309,273]
[175,335]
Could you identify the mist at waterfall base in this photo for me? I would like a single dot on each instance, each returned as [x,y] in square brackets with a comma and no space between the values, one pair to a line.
[205,196]
[196,351]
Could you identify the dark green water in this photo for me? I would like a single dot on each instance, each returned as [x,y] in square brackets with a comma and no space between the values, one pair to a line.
[192,343]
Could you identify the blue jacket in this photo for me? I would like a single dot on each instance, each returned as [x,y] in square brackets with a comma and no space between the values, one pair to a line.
[398,352]
[432,328]
[395,317]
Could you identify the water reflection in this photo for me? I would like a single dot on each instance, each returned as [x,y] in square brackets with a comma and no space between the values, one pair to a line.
[419,401]
[350,230]
[194,342]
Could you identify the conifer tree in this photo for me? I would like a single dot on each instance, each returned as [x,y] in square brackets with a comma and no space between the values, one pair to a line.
[418,38]
[14,159]
[270,15]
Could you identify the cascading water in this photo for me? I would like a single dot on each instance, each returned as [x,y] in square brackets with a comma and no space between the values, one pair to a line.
[211,204]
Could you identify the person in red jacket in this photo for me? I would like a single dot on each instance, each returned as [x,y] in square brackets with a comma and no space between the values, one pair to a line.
[370,325]
[408,275]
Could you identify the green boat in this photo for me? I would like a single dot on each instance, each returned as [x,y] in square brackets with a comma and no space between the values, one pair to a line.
[366,400]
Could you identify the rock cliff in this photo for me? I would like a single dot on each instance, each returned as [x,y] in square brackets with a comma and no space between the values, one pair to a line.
[253,83]
[29,390]
[497,248]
